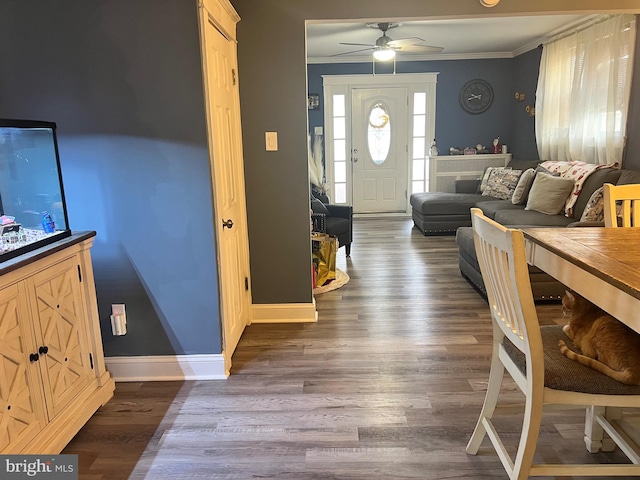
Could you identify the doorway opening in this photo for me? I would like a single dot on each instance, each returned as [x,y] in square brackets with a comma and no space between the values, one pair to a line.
[377,132]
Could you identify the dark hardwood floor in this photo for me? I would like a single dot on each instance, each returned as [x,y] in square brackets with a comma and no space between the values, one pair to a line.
[387,385]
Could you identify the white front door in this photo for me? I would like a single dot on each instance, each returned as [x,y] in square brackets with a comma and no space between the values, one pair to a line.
[379,152]
[225,152]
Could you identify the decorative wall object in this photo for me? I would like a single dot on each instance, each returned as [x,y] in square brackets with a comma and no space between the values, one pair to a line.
[313,101]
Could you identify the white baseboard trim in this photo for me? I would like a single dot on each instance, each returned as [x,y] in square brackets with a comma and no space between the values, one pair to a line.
[284,313]
[166,368]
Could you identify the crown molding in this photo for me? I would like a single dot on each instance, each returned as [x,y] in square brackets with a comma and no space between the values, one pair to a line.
[412,57]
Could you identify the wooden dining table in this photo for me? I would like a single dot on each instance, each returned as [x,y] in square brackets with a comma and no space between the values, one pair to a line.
[601,264]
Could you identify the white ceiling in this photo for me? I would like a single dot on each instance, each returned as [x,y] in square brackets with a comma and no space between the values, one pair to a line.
[495,37]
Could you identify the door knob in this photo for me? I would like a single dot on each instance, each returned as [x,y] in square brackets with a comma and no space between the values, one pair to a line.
[227,223]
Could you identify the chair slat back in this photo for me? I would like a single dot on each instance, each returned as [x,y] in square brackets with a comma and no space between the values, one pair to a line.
[628,213]
[502,258]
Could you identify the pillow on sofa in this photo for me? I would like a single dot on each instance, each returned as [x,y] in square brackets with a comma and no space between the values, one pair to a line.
[629,176]
[594,211]
[548,194]
[521,191]
[485,177]
[502,182]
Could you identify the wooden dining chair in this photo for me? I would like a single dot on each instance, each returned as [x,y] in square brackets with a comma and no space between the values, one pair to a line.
[621,205]
[531,355]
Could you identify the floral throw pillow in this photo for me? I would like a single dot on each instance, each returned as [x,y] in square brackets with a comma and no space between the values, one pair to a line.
[594,211]
[502,183]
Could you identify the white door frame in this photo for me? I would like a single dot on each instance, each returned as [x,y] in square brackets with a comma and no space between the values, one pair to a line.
[344,84]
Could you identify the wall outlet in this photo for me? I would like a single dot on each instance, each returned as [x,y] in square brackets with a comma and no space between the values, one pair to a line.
[118,319]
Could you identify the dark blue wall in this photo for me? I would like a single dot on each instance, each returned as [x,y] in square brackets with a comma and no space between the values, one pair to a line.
[123,82]
[505,118]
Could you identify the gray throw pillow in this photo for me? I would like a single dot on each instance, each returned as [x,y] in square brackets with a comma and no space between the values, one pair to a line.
[549,194]
[521,192]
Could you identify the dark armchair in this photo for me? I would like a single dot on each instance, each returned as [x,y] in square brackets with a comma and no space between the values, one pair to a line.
[334,220]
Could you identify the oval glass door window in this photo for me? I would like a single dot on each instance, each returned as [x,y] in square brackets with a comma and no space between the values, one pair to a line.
[379,134]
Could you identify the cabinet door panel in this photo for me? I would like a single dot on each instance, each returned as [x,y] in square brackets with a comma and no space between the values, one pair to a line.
[21,402]
[58,305]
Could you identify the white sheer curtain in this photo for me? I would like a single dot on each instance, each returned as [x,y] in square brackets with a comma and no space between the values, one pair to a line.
[583,92]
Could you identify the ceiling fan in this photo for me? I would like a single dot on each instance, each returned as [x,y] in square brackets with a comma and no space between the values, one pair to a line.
[385,47]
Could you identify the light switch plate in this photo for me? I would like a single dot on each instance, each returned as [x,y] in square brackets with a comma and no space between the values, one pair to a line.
[271,141]
[317,130]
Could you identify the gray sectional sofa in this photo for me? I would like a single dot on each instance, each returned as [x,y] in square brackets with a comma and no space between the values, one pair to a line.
[544,287]
[441,213]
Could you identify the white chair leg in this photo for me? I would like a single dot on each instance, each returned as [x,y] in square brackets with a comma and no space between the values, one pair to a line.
[528,439]
[595,438]
[490,401]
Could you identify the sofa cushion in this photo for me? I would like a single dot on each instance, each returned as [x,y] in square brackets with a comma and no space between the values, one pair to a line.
[549,194]
[502,183]
[518,164]
[531,218]
[445,203]
[490,208]
[628,176]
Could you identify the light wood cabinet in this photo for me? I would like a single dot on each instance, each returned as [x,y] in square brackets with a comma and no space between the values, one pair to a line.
[52,373]
[444,170]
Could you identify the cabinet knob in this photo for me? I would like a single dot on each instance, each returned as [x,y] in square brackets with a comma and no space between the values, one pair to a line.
[33,357]
[43,350]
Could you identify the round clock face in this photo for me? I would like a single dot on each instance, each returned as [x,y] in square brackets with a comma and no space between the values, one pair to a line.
[476,96]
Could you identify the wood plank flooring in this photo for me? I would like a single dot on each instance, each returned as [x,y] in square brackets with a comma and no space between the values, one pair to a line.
[387,385]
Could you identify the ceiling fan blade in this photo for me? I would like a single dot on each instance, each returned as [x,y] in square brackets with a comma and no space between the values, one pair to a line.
[352,51]
[358,44]
[405,41]
[420,49]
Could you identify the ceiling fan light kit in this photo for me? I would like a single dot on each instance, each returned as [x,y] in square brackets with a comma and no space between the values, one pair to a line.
[384,54]
[489,3]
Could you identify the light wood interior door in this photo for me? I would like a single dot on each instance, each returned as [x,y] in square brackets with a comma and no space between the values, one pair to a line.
[225,150]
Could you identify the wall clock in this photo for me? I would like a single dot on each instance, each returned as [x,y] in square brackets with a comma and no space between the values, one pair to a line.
[476,96]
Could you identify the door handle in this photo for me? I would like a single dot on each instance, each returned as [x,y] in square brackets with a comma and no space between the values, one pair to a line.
[227,223]
[354,156]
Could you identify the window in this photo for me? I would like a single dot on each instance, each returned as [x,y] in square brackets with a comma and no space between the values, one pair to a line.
[340,148]
[379,134]
[583,92]
[420,166]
